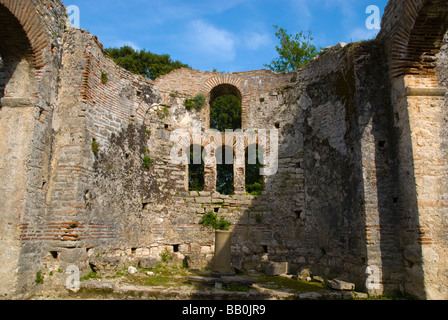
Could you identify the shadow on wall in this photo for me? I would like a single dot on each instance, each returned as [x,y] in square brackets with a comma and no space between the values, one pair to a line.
[353,216]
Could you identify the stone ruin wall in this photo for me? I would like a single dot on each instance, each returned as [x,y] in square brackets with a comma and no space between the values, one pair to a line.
[336,204]
[313,211]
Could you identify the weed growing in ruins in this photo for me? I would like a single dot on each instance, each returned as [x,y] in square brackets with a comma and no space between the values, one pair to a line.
[211,220]
[197,102]
[39,278]
[91,275]
[104,77]
[166,256]
[95,146]
[147,162]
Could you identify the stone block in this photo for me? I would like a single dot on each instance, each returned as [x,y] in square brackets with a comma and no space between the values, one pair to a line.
[147,263]
[203,200]
[304,275]
[275,268]
[340,285]
[198,261]
[238,280]
[106,266]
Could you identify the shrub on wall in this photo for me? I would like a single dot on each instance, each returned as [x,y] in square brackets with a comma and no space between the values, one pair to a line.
[211,220]
[197,102]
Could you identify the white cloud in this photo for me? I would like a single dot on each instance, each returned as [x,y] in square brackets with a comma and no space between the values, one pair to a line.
[121,43]
[210,42]
[254,40]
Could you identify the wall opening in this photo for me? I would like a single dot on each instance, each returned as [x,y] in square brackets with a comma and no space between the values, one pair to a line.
[225,108]
[224,170]
[254,180]
[196,170]
[17,71]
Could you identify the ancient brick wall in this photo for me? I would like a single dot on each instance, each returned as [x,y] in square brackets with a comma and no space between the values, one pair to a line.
[413,33]
[360,182]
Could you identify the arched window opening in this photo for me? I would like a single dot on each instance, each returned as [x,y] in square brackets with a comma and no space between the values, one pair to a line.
[196,175]
[224,170]
[254,162]
[225,108]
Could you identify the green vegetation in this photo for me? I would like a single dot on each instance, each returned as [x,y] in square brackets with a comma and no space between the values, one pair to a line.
[224,171]
[95,146]
[147,162]
[225,113]
[275,282]
[295,51]
[166,256]
[210,219]
[104,77]
[39,278]
[196,103]
[143,62]
[254,180]
[91,275]
[196,178]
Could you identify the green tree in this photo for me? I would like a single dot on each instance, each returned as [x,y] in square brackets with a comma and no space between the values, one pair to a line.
[254,180]
[295,51]
[225,113]
[196,178]
[224,170]
[144,62]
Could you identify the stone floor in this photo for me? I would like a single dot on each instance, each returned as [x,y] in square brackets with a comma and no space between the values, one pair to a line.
[164,283]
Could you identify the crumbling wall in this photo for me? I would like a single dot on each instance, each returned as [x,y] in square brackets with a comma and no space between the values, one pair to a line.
[359,184]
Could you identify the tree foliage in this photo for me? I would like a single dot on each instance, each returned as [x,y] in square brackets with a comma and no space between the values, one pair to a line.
[295,51]
[225,113]
[254,180]
[224,171]
[143,62]
[196,177]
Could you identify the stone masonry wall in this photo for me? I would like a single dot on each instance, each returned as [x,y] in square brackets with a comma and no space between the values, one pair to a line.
[360,183]
[303,216]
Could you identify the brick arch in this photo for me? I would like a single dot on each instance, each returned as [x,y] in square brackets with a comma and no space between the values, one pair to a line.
[233,80]
[26,14]
[413,32]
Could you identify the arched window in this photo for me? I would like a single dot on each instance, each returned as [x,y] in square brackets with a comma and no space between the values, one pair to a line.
[196,176]
[254,160]
[225,108]
[224,170]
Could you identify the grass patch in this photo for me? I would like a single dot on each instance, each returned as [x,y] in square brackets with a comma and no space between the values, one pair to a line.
[165,275]
[279,283]
[92,275]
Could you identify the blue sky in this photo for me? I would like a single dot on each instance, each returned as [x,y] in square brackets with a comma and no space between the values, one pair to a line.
[226,35]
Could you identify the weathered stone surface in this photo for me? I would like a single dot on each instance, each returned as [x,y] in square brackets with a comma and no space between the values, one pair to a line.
[304,274]
[132,270]
[85,163]
[106,266]
[204,280]
[275,268]
[198,261]
[147,263]
[238,280]
[340,285]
